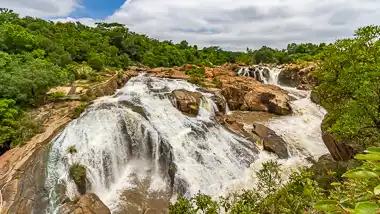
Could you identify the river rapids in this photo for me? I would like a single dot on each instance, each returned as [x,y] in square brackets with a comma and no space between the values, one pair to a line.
[140,151]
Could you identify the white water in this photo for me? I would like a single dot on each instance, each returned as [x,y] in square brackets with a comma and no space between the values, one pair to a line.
[121,147]
[117,145]
[301,130]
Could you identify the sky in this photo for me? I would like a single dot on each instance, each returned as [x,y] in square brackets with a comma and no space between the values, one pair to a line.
[230,24]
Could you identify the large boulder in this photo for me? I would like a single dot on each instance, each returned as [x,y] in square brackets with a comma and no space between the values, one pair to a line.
[87,204]
[340,150]
[230,123]
[315,97]
[187,101]
[247,94]
[298,76]
[271,141]
[325,165]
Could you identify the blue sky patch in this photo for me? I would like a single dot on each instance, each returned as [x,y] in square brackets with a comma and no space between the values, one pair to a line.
[97,9]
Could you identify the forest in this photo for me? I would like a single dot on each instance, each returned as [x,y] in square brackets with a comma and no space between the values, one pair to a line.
[37,55]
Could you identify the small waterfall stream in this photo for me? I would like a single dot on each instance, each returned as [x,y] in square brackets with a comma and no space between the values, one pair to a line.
[300,130]
[138,143]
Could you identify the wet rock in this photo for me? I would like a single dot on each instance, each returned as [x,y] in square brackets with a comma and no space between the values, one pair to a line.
[271,141]
[237,128]
[186,101]
[22,169]
[325,164]
[87,204]
[340,150]
[138,109]
[78,174]
[294,75]
[245,94]
[315,97]
[220,101]
[105,88]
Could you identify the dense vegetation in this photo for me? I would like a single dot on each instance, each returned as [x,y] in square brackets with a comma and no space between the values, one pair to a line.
[350,87]
[37,55]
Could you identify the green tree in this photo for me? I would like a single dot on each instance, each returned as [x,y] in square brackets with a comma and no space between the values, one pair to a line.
[9,114]
[96,62]
[350,86]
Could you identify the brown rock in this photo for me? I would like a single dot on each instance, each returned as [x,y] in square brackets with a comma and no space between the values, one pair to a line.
[186,101]
[87,204]
[219,100]
[22,170]
[271,141]
[325,165]
[104,88]
[340,150]
[247,94]
[237,128]
[297,76]
[315,97]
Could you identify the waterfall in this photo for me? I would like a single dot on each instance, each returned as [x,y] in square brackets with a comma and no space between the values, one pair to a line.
[262,74]
[137,138]
[301,130]
[137,144]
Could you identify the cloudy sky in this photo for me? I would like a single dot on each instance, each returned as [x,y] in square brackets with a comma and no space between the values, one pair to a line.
[231,24]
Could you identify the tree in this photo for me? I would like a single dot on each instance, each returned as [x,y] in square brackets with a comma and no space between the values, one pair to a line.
[350,85]
[96,62]
[8,117]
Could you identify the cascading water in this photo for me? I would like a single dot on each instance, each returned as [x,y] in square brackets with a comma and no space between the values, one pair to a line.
[301,130]
[137,143]
[139,138]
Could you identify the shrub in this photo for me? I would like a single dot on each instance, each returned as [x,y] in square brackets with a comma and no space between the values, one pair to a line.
[271,196]
[78,174]
[72,149]
[79,110]
[170,71]
[57,95]
[217,82]
[360,192]
[96,62]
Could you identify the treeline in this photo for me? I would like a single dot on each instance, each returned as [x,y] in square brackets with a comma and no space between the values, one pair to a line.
[293,53]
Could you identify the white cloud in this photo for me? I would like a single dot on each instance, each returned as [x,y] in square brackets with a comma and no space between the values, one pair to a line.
[231,24]
[86,21]
[41,8]
[237,24]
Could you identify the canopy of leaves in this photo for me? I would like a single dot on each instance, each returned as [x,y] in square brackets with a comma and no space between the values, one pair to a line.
[350,85]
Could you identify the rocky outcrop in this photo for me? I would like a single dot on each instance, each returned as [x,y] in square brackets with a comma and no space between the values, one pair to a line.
[271,141]
[105,88]
[340,150]
[297,76]
[87,204]
[22,169]
[325,165]
[315,97]
[237,128]
[246,94]
[187,101]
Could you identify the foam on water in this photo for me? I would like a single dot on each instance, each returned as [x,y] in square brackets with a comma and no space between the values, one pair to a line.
[139,135]
[118,145]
